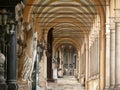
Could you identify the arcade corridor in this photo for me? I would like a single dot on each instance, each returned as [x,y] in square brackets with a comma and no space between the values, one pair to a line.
[66,83]
[59,44]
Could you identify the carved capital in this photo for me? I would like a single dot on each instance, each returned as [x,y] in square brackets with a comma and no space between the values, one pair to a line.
[112,22]
[117,14]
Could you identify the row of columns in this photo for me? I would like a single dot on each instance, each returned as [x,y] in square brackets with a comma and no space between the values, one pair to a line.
[113,53]
[93,52]
[113,63]
[94,47]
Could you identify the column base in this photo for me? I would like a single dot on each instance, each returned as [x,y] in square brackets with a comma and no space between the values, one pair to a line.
[3,86]
[12,86]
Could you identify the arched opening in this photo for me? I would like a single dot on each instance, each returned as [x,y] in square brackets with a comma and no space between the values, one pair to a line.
[78,46]
[49,55]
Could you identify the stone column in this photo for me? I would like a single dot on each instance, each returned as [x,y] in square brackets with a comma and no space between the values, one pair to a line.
[112,54]
[102,56]
[12,63]
[60,67]
[45,61]
[77,67]
[107,61]
[86,64]
[78,57]
[60,55]
[117,45]
[117,55]
[70,54]
[107,75]
[112,45]
[62,58]
[68,58]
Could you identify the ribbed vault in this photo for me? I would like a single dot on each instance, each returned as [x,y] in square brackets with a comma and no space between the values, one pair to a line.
[71,19]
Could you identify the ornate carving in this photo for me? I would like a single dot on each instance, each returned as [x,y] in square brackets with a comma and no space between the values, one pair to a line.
[27,69]
[26,66]
[2,60]
[20,27]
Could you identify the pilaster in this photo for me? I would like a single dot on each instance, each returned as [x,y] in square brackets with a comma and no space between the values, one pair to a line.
[87,60]
[117,48]
[117,54]
[107,66]
[12,63]
[107,58]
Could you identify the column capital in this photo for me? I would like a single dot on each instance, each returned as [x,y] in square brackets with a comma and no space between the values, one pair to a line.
[112,22]
[117,14]
[112,30]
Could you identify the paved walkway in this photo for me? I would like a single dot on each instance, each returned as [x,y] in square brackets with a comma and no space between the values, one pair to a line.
[66,83]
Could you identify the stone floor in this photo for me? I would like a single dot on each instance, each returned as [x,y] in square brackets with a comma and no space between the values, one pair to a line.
[66,83]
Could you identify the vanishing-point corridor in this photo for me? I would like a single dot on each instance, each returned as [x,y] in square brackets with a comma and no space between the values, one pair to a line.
[59,44]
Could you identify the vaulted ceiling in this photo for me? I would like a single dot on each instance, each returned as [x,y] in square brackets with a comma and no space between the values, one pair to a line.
[71,19]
